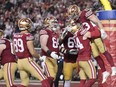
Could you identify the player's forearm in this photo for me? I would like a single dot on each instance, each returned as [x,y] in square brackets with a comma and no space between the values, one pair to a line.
[45,48]
[100,25]
[95,20]
[35,54]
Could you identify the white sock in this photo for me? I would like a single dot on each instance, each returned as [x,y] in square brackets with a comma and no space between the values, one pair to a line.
[67,83]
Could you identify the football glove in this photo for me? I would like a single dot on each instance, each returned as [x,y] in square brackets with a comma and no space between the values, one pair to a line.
[43,59]
[64,33]
[54,55]
[103,34]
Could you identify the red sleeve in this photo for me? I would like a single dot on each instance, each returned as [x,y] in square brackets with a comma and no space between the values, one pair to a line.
[95,33]
[43,32]
[29,37]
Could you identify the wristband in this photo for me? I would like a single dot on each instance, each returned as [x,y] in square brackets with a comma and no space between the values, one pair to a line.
[48,52]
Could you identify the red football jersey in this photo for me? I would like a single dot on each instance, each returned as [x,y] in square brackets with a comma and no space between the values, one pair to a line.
[6,55]
[53,40]
[68,43]
[20,44]
[84,48]
[87,24]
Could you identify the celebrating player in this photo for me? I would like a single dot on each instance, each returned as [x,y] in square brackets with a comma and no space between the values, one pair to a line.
[24,49]
[49,40]
[8,60]
[70,56]
[90,22]
[84,62]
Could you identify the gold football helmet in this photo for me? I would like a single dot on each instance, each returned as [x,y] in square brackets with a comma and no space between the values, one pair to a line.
[74,26]
[25,24]
[73,11]
[52,23]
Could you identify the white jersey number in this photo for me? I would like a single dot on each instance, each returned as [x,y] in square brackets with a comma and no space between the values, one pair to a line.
[71,42]
[55,42]
[18,44]
[86,27]
[79,44]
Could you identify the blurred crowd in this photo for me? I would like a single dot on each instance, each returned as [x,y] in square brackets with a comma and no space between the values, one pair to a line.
[37,10]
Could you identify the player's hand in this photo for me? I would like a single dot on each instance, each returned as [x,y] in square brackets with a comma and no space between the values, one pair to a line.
[103,34]
[73,51]
[54,55]
[64,33]
[43,59]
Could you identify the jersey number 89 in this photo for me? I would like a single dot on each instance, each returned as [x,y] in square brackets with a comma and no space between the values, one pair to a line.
[18,44]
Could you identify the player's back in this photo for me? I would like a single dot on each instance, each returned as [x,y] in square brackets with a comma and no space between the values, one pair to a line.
[7,55]
[20,44]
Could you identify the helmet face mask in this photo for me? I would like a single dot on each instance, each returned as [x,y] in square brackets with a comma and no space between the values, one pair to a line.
[52,23]
[25,24]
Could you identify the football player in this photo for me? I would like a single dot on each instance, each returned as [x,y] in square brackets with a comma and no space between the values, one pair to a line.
[84,62]
[24,50]
[7,60]
[49,40]
[90,23]
[70,55]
